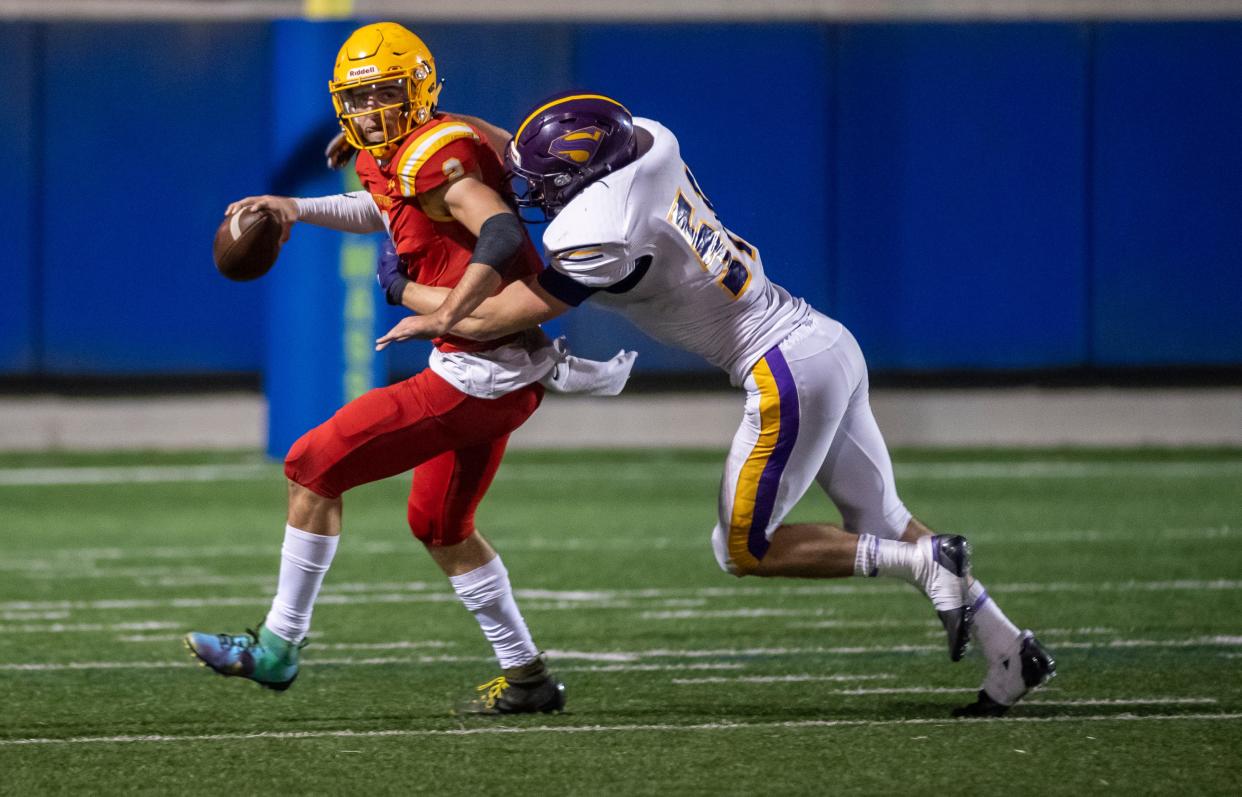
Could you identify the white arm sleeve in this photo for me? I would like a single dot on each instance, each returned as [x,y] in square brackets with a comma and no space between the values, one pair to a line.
[352,212]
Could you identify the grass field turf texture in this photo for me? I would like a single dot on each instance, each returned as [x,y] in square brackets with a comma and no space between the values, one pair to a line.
[681,679]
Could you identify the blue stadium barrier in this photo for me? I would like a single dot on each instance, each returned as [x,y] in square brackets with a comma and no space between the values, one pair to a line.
[959,171]
[323,307]
[147,131]
[1166,184]
[20,205]
[972,195]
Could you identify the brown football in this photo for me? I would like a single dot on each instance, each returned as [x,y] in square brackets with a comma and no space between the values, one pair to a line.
[247,244]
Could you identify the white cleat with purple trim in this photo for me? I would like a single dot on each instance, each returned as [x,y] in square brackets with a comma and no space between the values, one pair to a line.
[1025,666]
[942,572]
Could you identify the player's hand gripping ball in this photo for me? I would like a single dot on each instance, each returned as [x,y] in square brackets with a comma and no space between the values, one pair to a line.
[247,244]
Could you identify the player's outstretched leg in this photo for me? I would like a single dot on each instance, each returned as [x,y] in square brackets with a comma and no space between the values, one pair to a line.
[939,566]
[1017,662]
[525,685]
[259,655]
[269,656]
[443,497]
[1023,667]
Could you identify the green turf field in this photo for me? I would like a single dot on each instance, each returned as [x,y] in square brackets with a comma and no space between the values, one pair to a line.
[681,680]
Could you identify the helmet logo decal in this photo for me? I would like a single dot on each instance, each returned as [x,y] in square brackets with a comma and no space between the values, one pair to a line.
[578,147]
[363,71]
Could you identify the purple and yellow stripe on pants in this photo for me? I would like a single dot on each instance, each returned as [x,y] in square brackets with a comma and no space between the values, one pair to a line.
[760,477]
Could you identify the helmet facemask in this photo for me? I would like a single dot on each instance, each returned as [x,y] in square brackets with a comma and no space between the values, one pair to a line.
[383,74]
[365,106]
[545,193]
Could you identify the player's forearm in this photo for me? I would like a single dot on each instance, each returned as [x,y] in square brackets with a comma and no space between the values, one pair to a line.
[495,316]
[422,299]
[352,212]
[477,283]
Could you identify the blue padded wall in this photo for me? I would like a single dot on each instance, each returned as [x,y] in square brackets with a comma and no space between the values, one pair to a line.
[1167,184]
[747,103]
[960,162]
[978,195]
[19,201]
[150,131]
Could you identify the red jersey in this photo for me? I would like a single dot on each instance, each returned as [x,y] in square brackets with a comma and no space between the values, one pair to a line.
[436,250]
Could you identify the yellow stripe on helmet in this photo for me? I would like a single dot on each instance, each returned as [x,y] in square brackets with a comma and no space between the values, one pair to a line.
[518,135]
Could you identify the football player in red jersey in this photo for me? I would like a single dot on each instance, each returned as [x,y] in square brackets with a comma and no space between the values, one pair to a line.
[434,182]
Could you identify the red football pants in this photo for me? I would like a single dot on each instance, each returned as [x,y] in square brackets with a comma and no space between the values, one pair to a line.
[454,443]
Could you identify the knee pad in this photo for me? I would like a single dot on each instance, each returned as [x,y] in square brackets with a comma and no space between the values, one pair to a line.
[304,469]
[888,525]
[720,547]
[438,529]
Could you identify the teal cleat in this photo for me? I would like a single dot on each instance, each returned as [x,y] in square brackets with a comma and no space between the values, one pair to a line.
[261,656]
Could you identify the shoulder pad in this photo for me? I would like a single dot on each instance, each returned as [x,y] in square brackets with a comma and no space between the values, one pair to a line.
[424,146]
[594,215]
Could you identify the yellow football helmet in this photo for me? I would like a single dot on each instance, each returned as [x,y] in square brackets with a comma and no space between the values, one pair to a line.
[379,68]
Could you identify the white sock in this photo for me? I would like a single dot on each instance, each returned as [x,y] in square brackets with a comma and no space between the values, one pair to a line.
[889,558]
[304,559]
[485,591]
[992,630]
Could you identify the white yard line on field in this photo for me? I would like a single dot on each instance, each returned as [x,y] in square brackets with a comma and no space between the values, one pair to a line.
[1052,469]
[490,730]
[1126,701]
[195,603]
[415,645]
[10,616]
[84,562]
[76,628]
[728,614]
[821,624]
[609,668]
[784,679]
[620,598]
[95,665]
[913,690]
[518,472]
[1094,630]
[133,474]
[1219,640]
[407,645]
[636,656]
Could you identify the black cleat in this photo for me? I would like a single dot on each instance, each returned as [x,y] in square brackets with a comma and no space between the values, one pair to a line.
[528,689]
[957,624]
[983,706]
[1011,677]
[944,578]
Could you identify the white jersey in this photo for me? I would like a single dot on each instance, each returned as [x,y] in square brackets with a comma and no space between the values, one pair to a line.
[644,241]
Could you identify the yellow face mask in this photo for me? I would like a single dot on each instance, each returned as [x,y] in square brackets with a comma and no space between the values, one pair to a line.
[383,86]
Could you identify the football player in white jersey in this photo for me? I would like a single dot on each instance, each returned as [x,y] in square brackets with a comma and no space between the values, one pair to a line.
[631,229]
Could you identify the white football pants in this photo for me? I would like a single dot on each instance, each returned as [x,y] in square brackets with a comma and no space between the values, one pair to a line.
[808,417]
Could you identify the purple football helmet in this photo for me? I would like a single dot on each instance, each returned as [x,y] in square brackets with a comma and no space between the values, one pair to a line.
[567,141]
